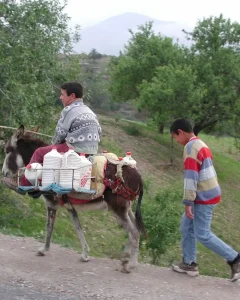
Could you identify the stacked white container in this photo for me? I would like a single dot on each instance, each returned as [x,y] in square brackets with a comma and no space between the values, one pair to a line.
[70,170]
[129,160]
[33,173]
[52,163]
[85,172]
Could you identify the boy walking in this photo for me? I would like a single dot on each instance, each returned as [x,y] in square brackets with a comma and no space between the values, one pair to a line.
[201,194]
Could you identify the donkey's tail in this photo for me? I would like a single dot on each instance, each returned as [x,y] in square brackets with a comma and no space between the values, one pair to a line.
[138,215]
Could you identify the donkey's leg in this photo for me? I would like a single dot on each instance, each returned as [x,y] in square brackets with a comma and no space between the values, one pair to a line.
[120,207]
[135,250]
[78,228]
[132,244]
[133,237]
[52,207]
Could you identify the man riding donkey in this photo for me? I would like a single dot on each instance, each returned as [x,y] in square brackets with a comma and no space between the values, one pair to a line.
[77,127]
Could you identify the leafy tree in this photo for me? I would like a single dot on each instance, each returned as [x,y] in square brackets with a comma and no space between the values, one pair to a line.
[35,48]
[201,83]
[206,87]
[165,95]
[216,62]
[94,55]
[144,52]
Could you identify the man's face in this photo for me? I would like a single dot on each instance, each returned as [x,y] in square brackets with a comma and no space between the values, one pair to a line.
[180,137]
[66,100]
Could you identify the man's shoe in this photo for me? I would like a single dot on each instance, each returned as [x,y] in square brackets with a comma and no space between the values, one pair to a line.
[182,267]
[35,194]
[235,268]
[12,184]
[38,194]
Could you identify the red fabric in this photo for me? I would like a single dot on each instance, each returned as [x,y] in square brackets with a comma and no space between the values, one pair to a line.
[191,164]
[211,201]
[74,201]
[118,188]
[40,152]
[24,181]
[204,153]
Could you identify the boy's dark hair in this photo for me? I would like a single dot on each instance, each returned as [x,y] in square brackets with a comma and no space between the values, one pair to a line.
[73,88]
[183,124]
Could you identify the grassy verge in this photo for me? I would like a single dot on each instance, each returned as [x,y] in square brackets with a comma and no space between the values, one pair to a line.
[24,216]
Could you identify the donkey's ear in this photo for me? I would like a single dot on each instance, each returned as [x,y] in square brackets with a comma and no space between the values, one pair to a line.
[20,132]
[32,132]
[35,129]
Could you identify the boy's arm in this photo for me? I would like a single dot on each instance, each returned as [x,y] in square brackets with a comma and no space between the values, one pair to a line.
[191,175]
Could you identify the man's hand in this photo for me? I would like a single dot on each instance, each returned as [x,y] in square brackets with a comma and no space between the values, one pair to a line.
[188,212]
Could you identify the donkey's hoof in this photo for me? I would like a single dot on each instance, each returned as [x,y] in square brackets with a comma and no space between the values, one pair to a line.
[41,252]
[125,270]
[125,266]
[84,258]
[133,265]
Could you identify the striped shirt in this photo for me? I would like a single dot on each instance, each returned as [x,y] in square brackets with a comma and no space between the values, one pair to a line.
[200,178]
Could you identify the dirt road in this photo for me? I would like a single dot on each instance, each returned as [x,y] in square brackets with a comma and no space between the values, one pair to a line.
[60,276]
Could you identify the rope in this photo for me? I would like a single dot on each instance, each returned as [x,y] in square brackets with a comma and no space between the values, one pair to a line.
[6,127]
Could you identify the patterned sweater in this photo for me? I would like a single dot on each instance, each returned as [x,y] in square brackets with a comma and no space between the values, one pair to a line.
[79,127]
[200,179]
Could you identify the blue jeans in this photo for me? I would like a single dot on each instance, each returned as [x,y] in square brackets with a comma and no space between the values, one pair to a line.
[199,229]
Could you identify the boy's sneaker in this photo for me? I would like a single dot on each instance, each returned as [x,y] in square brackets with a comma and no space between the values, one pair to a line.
[182,267]
[235,267]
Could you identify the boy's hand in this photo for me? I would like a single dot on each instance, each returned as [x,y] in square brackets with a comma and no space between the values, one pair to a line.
[188,212]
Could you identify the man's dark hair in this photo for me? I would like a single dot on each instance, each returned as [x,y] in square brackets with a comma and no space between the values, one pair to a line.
[183,124]
[73,88]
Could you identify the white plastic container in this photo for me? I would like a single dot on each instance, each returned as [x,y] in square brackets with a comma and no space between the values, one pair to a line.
[70,170]
[52,161]
[33,173]
[85,173]
[129,160]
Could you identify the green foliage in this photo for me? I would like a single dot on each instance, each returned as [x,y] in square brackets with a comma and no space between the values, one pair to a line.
[143,54]
[215,59]
[33,34]
[94,54]
[131,129]
[162,221]
[95,80]
[165,95]
[110,146]
[200,82]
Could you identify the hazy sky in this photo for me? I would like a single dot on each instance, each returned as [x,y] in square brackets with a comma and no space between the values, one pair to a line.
[88,12]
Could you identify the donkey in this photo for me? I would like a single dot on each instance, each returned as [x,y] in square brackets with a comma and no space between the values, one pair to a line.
[18,151]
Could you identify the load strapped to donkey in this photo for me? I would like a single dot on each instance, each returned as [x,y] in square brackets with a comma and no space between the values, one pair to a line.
[79,177]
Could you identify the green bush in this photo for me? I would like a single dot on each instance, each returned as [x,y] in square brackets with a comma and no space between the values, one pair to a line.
[132,130]
[110,146]
[162,220]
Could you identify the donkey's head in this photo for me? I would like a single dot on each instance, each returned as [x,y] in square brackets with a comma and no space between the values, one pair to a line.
[19,150]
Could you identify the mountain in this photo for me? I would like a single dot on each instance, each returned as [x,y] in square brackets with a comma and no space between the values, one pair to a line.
[110,36]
